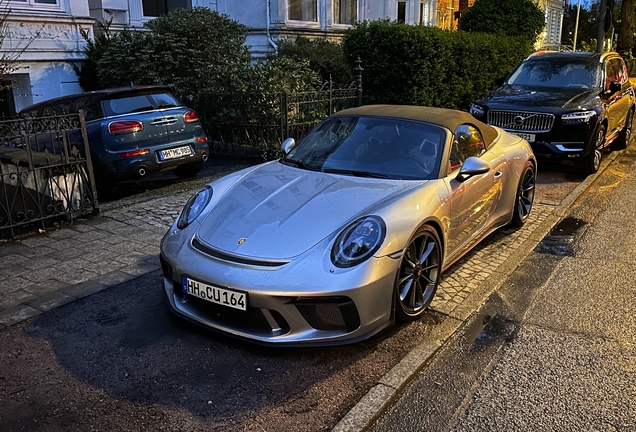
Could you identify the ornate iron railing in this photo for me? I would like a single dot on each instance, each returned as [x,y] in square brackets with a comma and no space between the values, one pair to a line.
[45,170]
[254,125]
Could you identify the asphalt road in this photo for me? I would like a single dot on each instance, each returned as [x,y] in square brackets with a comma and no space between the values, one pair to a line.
[118,361]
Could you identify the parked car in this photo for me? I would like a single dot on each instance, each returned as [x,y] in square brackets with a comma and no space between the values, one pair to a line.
[132,132]
[350,230]
[569,106]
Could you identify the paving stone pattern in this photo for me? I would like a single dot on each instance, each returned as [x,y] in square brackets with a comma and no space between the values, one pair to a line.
[463,277]
[54,268]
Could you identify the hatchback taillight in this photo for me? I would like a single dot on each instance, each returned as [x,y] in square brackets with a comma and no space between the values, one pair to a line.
[134,153]
[190,117]
[125,127]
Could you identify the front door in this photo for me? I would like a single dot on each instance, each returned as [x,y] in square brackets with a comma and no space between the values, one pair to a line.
[472,201]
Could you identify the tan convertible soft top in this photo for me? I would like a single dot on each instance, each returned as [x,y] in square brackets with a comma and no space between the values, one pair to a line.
[448,118]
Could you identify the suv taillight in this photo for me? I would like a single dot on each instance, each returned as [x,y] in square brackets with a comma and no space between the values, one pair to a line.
[125,127]
[190,117]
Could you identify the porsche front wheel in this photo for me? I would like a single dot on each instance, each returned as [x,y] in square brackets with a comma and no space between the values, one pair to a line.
[419,274]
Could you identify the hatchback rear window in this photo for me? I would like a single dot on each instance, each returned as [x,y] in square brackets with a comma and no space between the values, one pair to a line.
[138,103]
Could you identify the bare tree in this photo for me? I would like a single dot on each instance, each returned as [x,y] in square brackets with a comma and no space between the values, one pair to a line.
[10,58]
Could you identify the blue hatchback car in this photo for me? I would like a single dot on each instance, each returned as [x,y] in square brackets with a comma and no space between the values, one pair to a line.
[134,131]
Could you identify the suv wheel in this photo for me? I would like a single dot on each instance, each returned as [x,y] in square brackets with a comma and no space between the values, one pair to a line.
[592,161]
[623,139]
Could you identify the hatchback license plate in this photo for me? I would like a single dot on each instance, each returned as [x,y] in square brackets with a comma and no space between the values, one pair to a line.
[174,153]
[221,296]
[526,136]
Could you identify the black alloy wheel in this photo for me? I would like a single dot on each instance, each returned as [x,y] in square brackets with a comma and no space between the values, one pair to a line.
[419,274]
[623,139]
[525,195]
[592,161]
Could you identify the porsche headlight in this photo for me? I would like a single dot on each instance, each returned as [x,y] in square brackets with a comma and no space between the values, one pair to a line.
[358,241]
[194,207]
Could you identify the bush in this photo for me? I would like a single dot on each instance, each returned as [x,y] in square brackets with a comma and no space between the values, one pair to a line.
[190,50]
[517,18]
[421,65]
[324,57]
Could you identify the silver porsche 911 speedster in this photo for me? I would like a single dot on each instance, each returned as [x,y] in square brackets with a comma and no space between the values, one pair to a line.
[350,230]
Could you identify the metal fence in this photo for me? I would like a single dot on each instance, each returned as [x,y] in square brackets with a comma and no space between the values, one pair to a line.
[254,125]
[45,171]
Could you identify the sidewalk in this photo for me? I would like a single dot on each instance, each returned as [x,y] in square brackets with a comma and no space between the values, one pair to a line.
[49,269]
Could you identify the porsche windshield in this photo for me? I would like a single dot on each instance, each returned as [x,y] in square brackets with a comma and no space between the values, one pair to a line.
[371,147]
[563,73]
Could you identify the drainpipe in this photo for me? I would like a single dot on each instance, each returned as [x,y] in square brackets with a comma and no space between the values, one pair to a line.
[269,37]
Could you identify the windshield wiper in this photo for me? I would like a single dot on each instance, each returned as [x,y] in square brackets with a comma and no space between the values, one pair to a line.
[299,164]
[356,173]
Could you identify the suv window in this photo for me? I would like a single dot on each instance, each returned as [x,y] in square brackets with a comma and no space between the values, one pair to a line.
[552,73]
[137,102]
[615,72]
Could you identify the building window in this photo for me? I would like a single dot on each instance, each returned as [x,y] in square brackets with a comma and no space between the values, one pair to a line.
[425,11]
[303,10]
[345,11]
[153,8]
[401,16]
[36,3]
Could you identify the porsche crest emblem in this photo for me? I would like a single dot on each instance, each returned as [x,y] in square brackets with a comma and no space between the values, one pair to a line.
[241,241]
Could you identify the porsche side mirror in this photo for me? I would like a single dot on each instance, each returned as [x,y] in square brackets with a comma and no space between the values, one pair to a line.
[471,167]
[287,145]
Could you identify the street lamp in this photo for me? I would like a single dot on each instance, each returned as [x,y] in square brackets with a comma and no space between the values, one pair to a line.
[576,26]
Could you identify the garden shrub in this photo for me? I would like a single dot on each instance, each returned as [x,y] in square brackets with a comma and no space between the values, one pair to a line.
[190,50]
[323,56]
[429,66]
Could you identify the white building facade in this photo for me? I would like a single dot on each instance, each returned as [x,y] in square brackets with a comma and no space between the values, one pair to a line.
[51,30]
[46,35]
[550,38]
[271,20]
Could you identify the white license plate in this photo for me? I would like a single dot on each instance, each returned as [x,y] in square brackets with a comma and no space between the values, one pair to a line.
[221,296]
[174,153]
[526,136]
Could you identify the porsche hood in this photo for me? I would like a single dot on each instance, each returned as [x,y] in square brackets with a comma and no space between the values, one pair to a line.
[279,212]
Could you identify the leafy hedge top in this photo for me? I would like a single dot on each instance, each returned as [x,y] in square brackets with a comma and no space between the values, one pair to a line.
[428,66]
[193,51]
[517,18]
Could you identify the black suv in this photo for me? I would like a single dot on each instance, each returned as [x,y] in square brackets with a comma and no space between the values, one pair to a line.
[569,106]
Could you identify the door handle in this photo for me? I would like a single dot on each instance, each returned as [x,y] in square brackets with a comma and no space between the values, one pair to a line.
[497,175]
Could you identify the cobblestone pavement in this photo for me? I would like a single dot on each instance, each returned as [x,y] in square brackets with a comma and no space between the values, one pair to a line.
[53,268]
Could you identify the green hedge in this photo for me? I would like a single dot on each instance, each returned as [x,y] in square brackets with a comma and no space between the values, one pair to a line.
[421,65]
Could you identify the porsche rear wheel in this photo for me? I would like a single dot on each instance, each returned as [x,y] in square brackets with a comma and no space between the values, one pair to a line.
[525,196]
[419,274]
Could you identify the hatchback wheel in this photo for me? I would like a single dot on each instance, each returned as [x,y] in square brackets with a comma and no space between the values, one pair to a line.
[419,274]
